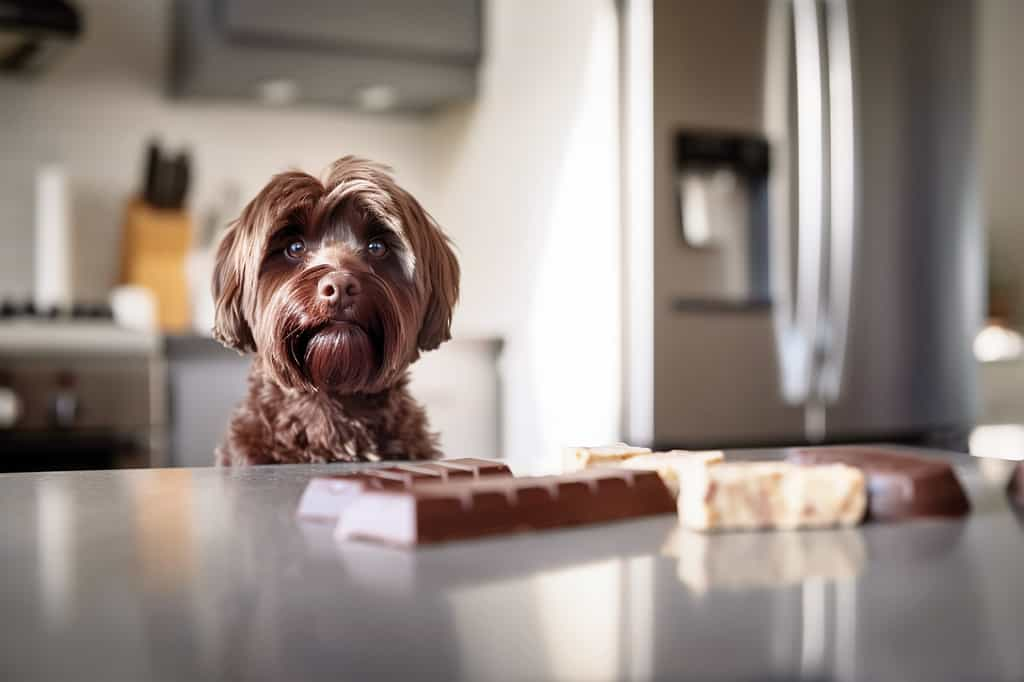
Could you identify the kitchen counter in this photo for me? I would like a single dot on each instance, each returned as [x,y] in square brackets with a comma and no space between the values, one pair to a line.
[206,574]
[58,338]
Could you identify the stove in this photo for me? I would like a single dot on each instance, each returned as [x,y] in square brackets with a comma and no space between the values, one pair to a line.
[28,310]
[78,392]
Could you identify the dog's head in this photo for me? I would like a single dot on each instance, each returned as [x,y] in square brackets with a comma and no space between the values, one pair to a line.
[337,285]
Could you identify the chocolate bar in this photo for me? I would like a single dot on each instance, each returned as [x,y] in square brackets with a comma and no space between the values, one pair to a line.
[437,512]
[777,495]
[326,496]
[900,485]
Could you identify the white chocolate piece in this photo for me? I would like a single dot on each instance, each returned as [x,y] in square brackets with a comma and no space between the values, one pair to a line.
[579,458]
[675,465]
[752,495]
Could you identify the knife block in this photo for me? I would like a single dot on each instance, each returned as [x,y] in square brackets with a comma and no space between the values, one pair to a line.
[153,251]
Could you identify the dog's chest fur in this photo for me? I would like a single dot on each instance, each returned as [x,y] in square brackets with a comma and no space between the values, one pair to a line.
[273,426]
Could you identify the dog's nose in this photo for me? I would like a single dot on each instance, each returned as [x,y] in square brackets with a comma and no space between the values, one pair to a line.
[338,286]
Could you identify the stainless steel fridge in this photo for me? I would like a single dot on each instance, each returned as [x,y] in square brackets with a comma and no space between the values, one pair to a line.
[804,255]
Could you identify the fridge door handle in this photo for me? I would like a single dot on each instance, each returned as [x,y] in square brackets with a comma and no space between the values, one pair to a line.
[843,195]
[797,326]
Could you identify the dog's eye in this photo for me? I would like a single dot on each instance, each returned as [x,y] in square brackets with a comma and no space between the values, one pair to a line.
[377,248]
[295,249]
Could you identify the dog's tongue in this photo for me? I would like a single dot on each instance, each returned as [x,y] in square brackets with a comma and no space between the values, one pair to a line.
[341,357]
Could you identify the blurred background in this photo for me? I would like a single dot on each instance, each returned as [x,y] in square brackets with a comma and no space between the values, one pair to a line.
[681,223]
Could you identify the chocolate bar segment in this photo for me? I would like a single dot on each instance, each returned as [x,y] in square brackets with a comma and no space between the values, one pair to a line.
[900,485]
[326,496]
[438,512]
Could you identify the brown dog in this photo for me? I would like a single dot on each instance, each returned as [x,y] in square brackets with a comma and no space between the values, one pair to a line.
[336,286]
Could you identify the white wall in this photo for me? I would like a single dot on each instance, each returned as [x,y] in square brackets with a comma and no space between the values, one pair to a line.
[527,184]
[524,178]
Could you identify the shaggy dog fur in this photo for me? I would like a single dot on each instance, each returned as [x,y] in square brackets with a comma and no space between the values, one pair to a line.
[337,286]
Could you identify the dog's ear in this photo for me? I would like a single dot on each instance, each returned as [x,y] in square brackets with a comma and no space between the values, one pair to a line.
[236,270]
[442,282]
[230,326]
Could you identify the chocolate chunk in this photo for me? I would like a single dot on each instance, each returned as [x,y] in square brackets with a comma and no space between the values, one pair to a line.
[326,496]
[436,512]
[900,485]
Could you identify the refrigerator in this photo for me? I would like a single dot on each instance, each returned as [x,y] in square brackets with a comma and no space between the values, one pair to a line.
[803,245]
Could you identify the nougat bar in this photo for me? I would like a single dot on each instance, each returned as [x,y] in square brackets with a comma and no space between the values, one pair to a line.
[580,458]
[754,495]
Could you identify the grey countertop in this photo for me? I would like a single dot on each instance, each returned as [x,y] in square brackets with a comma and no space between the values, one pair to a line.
[206,574]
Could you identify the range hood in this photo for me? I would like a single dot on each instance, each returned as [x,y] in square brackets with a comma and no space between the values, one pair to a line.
[394,55]
[34,32]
